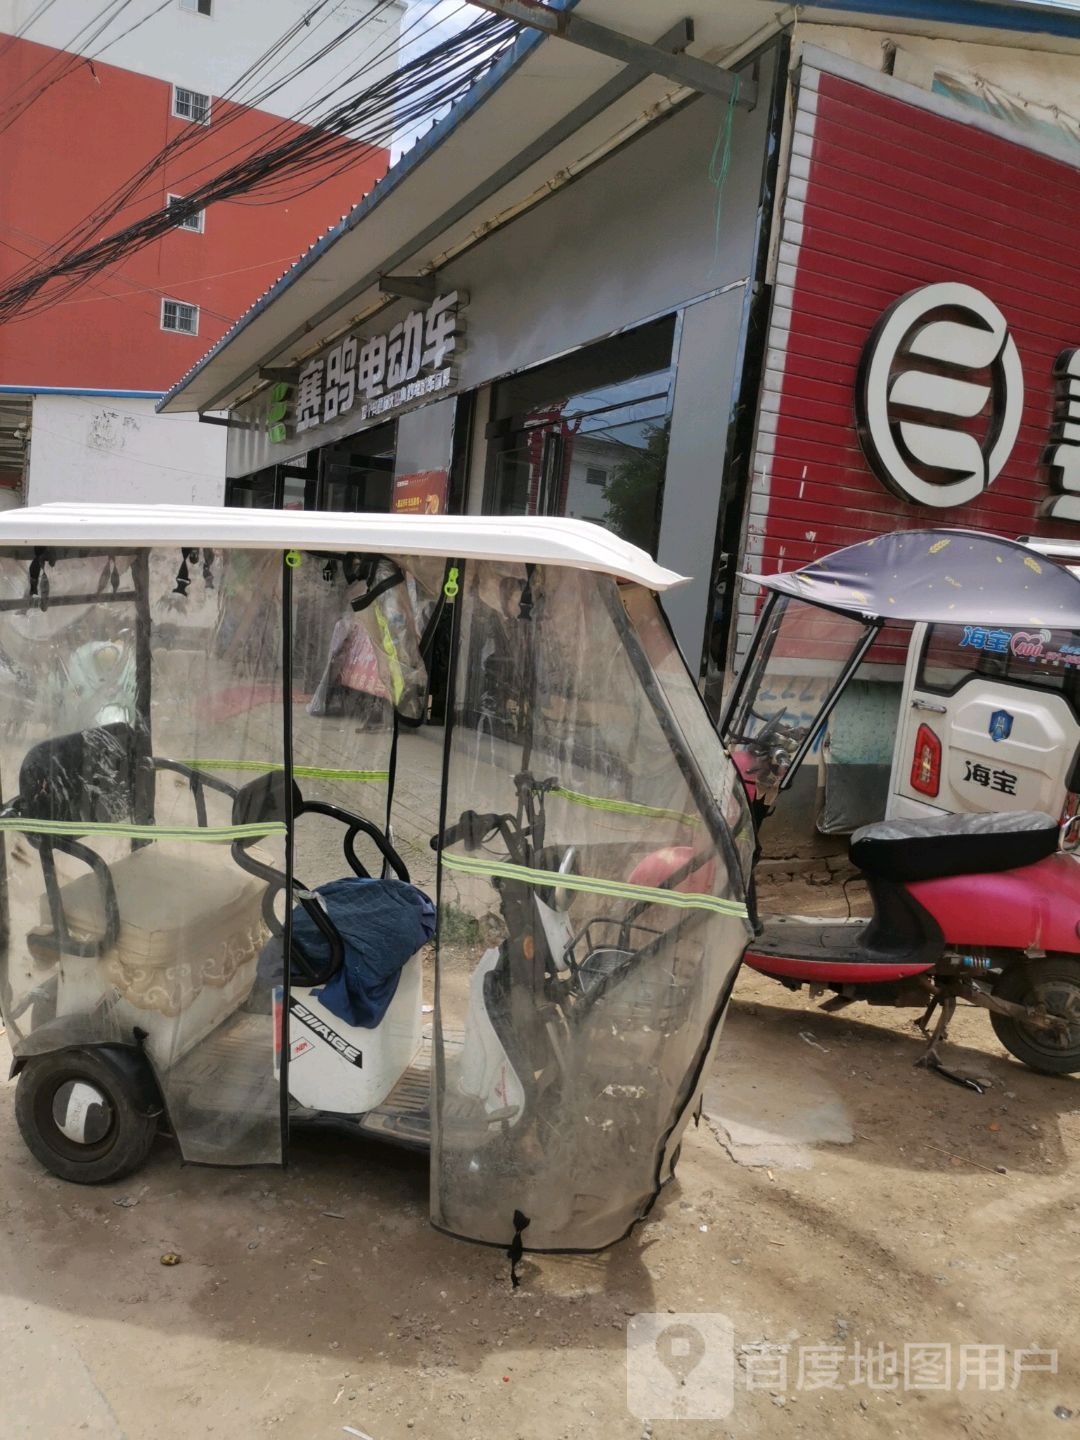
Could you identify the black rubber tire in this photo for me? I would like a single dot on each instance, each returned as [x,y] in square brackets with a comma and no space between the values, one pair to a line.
[131,1131]
[1054,982]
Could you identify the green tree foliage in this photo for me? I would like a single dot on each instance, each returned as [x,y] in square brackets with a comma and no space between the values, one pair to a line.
[635,489]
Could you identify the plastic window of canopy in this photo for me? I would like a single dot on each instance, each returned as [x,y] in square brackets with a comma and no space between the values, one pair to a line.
[591,919]
[129,914]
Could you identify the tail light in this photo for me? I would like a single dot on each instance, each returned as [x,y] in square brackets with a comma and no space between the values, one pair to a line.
[926,766]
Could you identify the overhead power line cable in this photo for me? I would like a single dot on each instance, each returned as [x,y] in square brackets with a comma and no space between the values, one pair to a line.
[313,113]
[130,192]
[163,290]
[125,33]
[64,62]
[422,87]
[31,19]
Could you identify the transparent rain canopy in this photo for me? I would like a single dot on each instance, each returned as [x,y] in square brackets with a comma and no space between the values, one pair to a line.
[695,723]
[340,707]
[591,861]
[356,667]
[801,652]
[592,912]
[129,917]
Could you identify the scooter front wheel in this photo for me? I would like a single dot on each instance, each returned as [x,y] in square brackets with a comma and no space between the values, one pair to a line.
[1054,985]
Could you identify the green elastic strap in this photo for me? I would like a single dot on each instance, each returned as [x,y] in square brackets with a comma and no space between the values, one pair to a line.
[624,807]
[397,679]
[207,834]
[309,772]
[590,885]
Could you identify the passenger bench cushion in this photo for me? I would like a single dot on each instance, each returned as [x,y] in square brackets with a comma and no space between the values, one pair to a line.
[188,919]
[940,846]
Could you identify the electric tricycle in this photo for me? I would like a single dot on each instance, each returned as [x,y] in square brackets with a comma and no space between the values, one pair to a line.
[229,908]
[1000,710]
[983,908]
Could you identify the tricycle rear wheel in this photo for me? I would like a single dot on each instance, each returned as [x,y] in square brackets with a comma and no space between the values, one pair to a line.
[1053,983]
[82,1118]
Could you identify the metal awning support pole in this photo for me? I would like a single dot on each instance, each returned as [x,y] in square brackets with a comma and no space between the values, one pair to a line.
[684,69]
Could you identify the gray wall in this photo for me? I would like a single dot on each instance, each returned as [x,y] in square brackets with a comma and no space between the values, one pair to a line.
[635,237]
[704,384]
[639,235]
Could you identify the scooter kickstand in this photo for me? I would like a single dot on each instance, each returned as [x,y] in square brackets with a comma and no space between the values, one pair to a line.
[929,1059]
[923,1021]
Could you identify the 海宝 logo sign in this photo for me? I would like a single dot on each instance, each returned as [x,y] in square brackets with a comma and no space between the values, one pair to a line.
[940,395]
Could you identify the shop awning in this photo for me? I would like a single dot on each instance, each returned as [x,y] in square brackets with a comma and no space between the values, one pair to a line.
[546,111]
[520,540]
[544,107]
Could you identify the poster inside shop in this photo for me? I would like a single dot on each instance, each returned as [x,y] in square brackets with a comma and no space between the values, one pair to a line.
[421,493]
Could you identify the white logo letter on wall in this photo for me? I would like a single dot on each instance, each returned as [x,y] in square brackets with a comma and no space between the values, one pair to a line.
[1063,457]
[933,362]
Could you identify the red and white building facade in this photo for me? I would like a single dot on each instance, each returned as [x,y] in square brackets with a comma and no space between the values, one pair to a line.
[925,311]
[81,112]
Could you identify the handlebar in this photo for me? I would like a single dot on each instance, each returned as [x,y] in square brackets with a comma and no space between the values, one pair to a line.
[522,833]
[773,734]
[472,827]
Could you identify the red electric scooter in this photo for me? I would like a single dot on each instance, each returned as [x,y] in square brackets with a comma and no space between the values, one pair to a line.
[983,908]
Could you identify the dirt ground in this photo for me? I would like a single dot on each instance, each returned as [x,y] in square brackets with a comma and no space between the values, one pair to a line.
[318,1298]
[836,1211]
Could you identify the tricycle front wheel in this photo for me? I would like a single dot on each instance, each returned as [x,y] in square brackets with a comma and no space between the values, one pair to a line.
[1052,984]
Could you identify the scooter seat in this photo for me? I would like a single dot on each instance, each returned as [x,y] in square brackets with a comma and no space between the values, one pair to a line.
[944,845]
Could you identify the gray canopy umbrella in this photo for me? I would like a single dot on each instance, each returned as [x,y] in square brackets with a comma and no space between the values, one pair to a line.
[938,575]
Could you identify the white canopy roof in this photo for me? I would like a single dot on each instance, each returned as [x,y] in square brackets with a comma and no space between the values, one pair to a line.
[525,539]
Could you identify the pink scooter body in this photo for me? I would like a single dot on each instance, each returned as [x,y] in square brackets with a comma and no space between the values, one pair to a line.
[1036,907]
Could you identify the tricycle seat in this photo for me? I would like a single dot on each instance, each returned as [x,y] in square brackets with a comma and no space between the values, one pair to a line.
[187,921]
[944,845]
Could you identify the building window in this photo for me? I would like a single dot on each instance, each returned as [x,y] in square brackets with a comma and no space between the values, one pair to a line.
[596,420]
[175,315]
[197,7]
[195,222]
[191,105]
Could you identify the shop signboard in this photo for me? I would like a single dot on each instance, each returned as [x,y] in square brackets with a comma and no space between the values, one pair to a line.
[940,357]
[923,360]
[375,377]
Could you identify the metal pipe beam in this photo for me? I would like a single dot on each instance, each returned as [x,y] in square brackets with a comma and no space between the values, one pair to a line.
[409,287]
[683,69]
